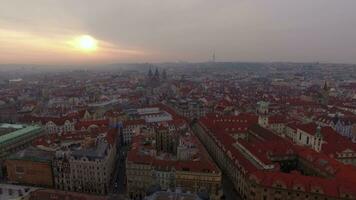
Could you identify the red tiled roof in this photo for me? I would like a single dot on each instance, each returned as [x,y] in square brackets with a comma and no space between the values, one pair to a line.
[276,119]
[203,164]
[135,122]
[333,142]
[86,124]
[263,144]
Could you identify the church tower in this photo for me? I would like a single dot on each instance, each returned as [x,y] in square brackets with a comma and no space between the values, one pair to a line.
[262,111]
[150,74]
[156,76]
[325,94]
[318,139]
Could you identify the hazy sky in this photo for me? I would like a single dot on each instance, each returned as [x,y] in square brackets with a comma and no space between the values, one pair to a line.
[39,31]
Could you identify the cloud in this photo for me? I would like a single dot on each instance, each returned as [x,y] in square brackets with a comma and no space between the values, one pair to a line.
[167,30]
[22,47]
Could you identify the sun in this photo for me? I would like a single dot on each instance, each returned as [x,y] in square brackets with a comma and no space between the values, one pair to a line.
[86,43]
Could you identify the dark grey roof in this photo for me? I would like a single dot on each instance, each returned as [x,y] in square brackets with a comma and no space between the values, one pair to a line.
[33,154]
[97,152]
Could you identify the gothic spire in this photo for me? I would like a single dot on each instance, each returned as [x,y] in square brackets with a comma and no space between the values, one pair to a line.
[150,73]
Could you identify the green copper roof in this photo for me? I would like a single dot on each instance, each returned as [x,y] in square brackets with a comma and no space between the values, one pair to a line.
[15,126]
[18,133]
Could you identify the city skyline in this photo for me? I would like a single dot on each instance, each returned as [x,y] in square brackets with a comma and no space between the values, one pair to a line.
[184,99]
[157,31]
[219,131]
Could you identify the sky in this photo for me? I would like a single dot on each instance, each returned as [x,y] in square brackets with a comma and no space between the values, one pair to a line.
[41,31]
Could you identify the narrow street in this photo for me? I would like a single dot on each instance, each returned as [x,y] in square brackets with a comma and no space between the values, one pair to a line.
[229,191]
[117,187]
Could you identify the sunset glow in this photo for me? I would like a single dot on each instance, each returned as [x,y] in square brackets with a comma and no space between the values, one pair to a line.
[87,43]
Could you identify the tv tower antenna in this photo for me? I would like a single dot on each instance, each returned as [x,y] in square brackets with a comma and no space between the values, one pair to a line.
[213,58]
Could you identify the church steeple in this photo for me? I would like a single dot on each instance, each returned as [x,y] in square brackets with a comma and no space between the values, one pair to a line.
[324,94]
[153,79]
[156,75]
[326,87]
[262,111]
[318,140]
[150,73]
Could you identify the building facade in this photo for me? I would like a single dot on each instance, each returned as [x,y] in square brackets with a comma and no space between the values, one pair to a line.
[87,170]
[147,168]
[30,167]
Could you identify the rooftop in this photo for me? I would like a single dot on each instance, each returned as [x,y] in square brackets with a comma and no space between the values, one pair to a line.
[23,130]
[97,152]
[144,153]
[32,153]
[264,145]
